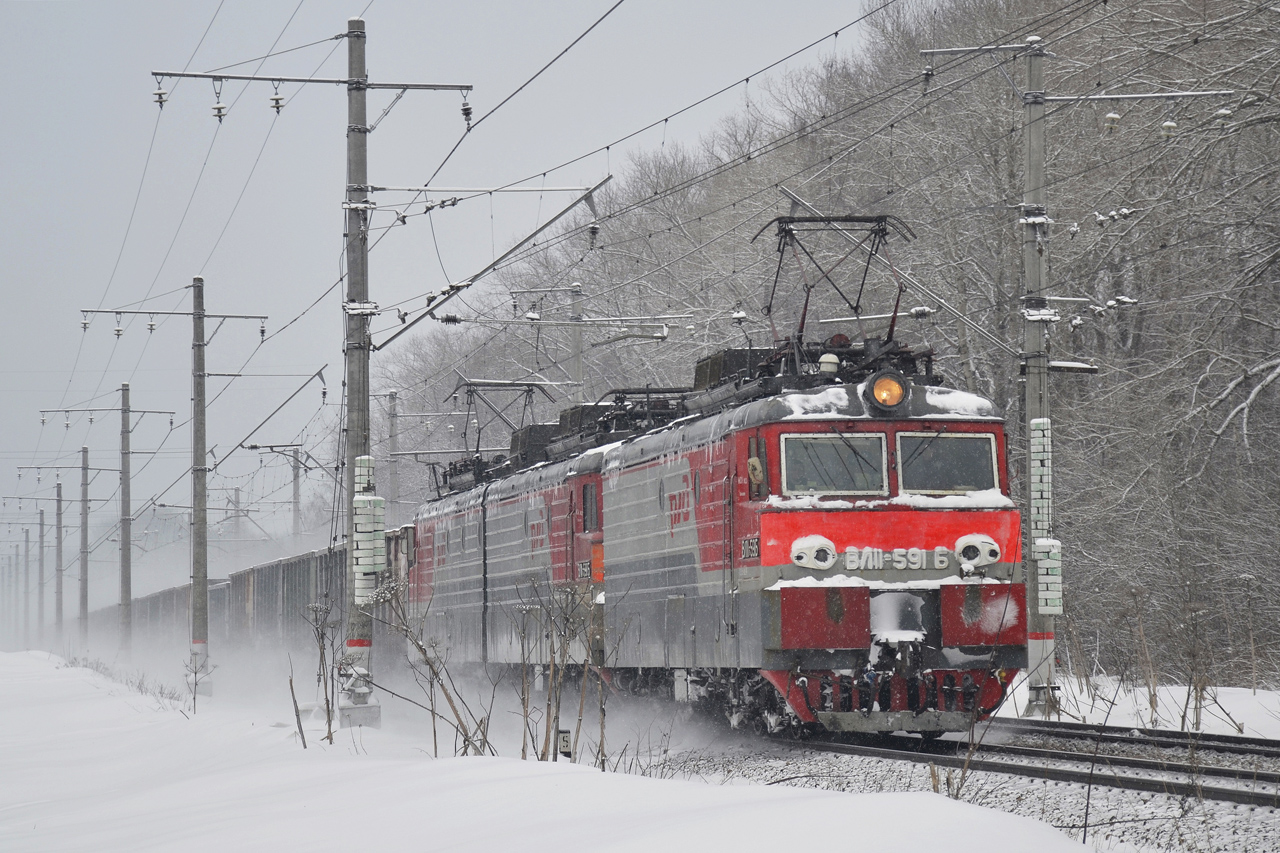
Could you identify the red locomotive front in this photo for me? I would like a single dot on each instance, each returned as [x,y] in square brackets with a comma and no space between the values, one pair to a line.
[860,554]
[900,603]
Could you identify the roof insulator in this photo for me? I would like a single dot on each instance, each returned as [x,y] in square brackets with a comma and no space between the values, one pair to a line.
[1169,129]
[1111,122]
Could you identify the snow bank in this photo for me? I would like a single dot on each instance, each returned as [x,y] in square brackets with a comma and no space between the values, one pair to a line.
[1225,711]
[90,765]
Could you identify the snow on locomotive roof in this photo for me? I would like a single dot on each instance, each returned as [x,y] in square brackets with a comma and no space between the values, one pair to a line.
[960,403]
[833,401]
[934,403]
[809,502]
[823,404]
[985,499]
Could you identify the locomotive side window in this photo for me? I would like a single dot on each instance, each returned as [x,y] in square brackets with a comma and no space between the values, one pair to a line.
[946,463]
[590,514]
[841,464]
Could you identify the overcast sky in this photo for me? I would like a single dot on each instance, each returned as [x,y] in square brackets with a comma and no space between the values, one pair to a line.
[83,141]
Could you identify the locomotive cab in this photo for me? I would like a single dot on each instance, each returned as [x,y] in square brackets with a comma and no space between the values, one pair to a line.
[889,562]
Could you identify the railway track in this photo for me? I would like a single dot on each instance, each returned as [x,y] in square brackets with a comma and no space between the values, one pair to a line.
[1176,778]
[1191,741]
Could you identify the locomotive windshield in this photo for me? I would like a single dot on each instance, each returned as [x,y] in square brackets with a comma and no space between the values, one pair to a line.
[834,464]
[941,463]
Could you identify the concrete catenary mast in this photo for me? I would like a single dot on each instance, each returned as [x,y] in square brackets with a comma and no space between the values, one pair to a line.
[356,346]
[1044,594]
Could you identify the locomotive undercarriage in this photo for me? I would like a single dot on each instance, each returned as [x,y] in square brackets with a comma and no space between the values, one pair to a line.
[869,701]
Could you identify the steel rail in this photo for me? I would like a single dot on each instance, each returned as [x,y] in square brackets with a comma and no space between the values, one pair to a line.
[1236,745]
[922,753]
[1157,765]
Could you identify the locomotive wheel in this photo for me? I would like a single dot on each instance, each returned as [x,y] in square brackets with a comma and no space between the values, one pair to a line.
[930,735]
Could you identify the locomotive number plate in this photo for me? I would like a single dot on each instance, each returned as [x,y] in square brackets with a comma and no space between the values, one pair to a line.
[584,568]
[751,548]
[878,559]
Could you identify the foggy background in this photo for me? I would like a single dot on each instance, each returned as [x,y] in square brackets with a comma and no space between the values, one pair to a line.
[113,203]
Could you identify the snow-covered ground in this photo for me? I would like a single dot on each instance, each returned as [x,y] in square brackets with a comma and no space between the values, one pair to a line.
[87,763]
[1105,701]
[93,764]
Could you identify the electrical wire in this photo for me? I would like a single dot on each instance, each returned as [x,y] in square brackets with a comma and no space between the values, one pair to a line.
[235,207]
[278,52]
[124,241]
[520,89]
[663,121]
[605,149]
[772,145]
[545,245]
[186,210]
[442,270]
[240,197]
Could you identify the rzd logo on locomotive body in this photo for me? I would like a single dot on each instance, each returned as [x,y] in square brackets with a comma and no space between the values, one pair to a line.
[679,505]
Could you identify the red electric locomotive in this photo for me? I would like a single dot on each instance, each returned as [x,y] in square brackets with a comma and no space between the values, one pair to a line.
[817,535]
[826,552]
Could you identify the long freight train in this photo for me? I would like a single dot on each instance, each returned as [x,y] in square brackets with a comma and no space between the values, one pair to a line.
[815,535]
[832,549]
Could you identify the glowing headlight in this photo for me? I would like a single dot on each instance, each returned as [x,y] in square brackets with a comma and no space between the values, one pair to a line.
[887,390]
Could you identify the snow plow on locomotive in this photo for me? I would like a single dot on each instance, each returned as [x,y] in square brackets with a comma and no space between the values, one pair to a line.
[835,549]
